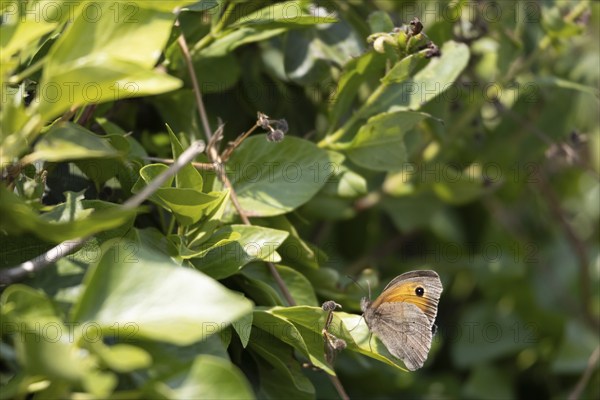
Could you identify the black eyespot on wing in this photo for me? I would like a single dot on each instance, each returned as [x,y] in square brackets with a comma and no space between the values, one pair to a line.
[420,291]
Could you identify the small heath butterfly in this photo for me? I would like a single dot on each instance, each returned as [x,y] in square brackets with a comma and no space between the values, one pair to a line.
[403,315]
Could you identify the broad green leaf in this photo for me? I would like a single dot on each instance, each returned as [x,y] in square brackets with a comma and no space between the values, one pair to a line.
[232,39]
[18,217]
[166,5]
[167,357]
[351,328]
[215,74]
[286,14]
[275,178]
[201,5]
[379,144]
[14,38]
[131,33]
[188,205]
[411,94]
[380,21]
[98,80]
[254,243]
[128,290]
[121,357]
[303,340]
[68,141]
[46,346]
[207,377]
[281,376]
[106,59]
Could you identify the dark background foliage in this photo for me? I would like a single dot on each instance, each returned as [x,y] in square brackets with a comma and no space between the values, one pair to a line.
[480,163]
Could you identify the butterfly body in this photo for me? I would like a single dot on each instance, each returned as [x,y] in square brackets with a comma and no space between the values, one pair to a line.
[403,315]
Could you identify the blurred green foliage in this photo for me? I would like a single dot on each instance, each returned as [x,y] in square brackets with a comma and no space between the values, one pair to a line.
[471,147]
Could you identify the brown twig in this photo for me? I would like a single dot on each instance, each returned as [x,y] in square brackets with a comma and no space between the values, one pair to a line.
[214,157]
[196,88]
[220,170]
[227,153]
[197,165]
[587,374]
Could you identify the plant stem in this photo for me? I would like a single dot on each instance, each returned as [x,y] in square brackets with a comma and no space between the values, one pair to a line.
[199,103]
[218,162]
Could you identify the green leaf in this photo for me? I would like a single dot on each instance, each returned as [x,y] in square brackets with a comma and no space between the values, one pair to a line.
[286,14]
[280,373]
[121,357]
[14,38]
[188,205]
[379,144]
[232,39]
[411,94]
[380,21]
[187,176]
[207,377]
[254,243]
[18,217]
[126,292]
[98,80]
[68,141]
[106,59]
[46,346]
[275,178]
[303,340]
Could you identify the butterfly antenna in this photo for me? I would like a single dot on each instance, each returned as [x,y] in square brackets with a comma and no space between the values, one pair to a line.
[355,282]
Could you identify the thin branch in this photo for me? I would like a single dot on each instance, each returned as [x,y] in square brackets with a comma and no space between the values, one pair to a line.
[217,161]
[587,374]
[21,271]
[199,103]
[338,386]
[244,217]
[197,165]
[227,153]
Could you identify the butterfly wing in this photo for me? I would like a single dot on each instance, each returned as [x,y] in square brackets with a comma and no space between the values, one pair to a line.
[404,329]
[404,288]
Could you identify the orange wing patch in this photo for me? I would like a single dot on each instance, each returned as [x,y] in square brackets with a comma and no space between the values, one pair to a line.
[405,292]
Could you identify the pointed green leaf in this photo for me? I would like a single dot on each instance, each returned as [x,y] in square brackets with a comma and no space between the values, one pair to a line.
[135,293]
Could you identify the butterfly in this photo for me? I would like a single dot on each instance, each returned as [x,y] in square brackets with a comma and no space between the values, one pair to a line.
[403,315]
